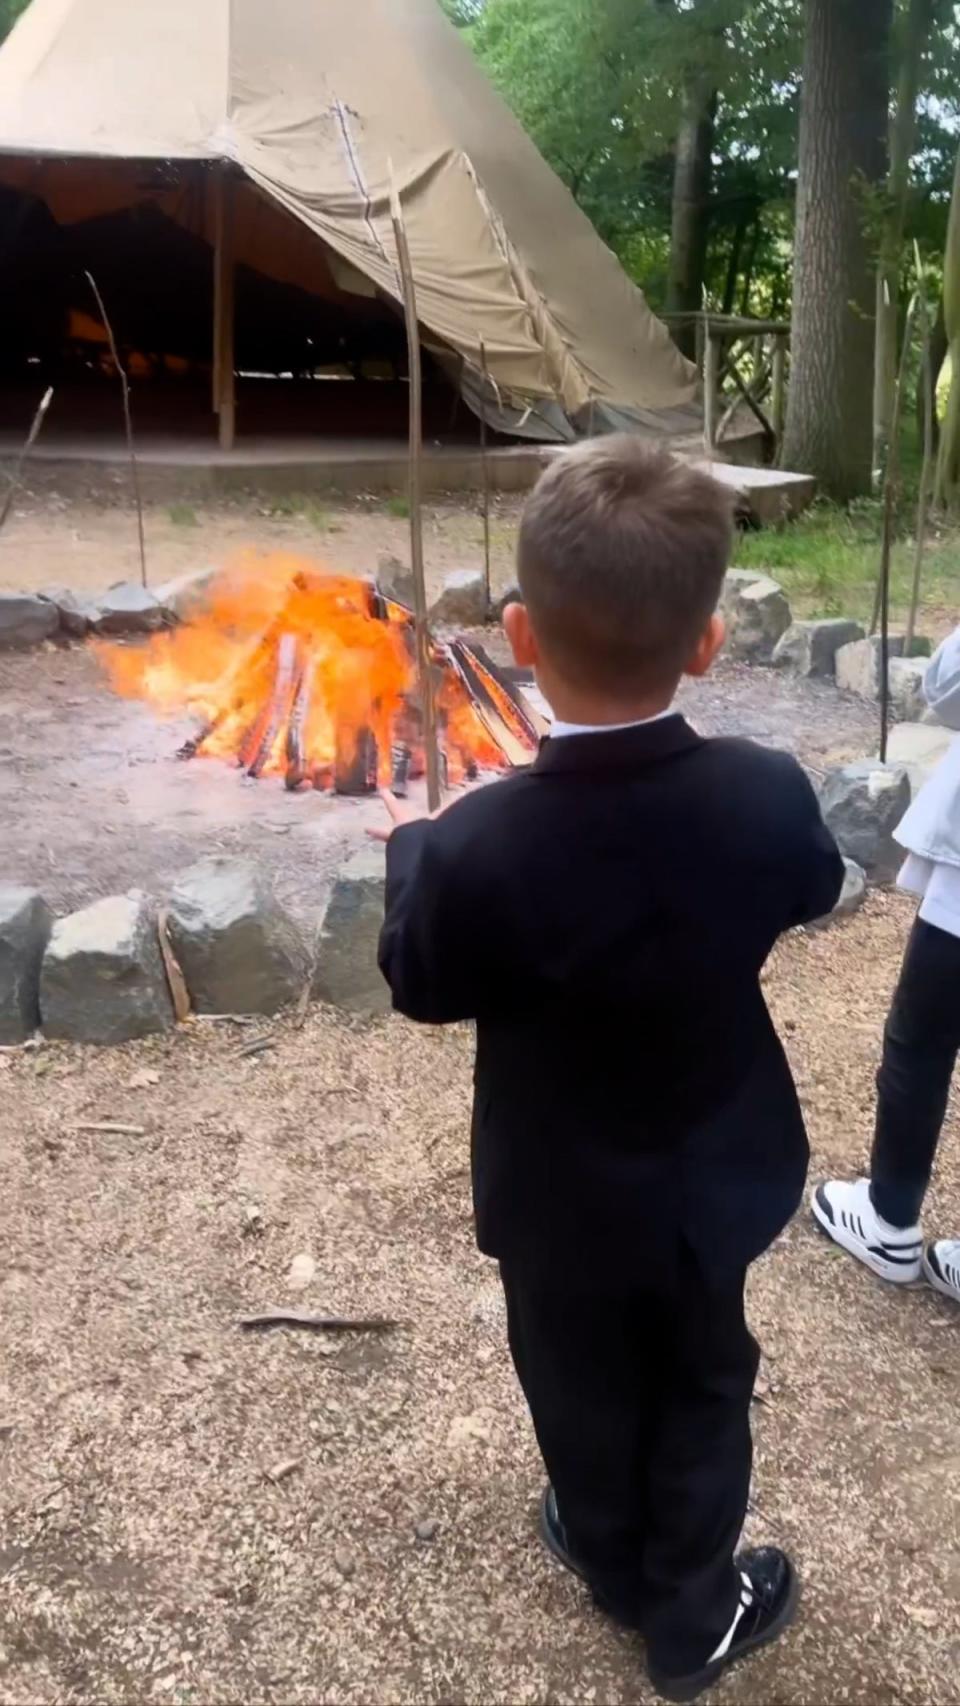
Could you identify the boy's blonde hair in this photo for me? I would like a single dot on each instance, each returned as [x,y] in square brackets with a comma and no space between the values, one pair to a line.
[621,559]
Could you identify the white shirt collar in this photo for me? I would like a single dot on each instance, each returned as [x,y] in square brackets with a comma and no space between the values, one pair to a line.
[559,730]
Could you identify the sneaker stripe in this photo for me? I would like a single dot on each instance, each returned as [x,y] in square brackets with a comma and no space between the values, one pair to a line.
[746,1601]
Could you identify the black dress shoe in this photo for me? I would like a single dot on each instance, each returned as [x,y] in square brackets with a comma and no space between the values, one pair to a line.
[554,1535]
[768,1600]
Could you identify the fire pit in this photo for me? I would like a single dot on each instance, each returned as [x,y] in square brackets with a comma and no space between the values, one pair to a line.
[310,676]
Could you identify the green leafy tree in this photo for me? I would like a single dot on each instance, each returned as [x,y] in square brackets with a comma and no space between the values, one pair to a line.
[9,13]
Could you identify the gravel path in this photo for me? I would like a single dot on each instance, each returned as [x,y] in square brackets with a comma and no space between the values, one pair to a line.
[188,1514]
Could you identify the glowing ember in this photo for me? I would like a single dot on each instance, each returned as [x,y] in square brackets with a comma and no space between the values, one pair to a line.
[293,671]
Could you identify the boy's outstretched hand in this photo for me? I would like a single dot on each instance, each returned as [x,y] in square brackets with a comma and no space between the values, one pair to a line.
[400,812]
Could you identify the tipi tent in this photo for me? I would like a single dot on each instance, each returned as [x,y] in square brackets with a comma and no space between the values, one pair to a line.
[268,129]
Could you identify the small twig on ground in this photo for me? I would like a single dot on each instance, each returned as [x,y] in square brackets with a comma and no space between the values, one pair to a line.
[128,421]
[258,1046]
[110,1128]
[281,1316]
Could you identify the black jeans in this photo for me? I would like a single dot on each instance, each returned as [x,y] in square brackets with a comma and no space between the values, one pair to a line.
[641,1404]
[920,1047]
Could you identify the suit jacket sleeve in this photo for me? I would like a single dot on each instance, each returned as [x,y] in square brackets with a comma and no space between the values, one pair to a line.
[433,950]
[819,868]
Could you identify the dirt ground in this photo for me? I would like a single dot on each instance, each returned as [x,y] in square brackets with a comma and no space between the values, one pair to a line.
[189,1513]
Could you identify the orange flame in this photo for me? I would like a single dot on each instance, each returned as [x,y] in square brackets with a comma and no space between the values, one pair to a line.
[282,643]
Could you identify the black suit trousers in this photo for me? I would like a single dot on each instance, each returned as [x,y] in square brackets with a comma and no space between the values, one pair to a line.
[641,1404]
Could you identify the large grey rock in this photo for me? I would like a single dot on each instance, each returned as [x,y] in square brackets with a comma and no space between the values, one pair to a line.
[238,948]
[757,615]
[858,664]
[905,676]
[395,579]
[462,603]
[25,621]
[347,973]
[862,805]
[810,647]
[187,595]
[25,922]
[852,895]
[919,747]
[76,615]
[129,609]
[102,978]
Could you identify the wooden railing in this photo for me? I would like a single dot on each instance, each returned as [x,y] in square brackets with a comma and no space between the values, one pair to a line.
[743,364]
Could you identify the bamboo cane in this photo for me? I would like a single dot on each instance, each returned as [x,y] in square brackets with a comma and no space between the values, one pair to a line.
[431,751]
[128,421]
[485,467]
[890,483]
[28,445]
[923,499]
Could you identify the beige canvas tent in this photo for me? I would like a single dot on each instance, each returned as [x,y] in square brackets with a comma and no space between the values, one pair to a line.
[268,128]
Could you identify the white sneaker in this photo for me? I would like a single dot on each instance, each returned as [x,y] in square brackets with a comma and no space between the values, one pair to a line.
[847,1215]
[941,1267]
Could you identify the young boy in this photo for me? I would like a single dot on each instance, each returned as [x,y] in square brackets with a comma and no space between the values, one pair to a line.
[604,917]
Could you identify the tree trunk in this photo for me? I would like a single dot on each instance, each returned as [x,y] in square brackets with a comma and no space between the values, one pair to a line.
[733,260]
[692,178]
[748,269]
[843,123]
[917,25]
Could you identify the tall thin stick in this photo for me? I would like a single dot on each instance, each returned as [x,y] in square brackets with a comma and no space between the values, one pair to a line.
[431,750]
[128,422]
[485,466]
[926,469]
[29,443]
[891,480]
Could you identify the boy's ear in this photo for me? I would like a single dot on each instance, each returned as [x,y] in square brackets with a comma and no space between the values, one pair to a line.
[708,646]
[516,626]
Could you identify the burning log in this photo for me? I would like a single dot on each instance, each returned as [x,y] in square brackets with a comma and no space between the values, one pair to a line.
[296,770]
[260,743]
[356,765]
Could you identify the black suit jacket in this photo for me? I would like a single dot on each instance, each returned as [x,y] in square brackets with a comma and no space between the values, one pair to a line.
[604,917]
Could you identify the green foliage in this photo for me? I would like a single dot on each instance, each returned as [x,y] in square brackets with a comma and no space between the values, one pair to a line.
[599,85]
[9,13]
[398,506]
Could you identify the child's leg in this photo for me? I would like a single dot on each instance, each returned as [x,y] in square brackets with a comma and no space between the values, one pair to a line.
[698,1472]
[920,1046]
[585,1371]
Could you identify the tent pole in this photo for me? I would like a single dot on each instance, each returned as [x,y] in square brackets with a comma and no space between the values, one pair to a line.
[224,399]
[424,672]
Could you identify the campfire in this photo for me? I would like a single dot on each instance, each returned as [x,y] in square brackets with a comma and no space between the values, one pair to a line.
[293,672]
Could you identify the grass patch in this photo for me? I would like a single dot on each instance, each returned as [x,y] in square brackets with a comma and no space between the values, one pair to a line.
[827,562]
[182,515]
[399,506]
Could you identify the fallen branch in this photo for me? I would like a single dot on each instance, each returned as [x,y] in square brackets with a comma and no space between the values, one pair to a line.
[108,1127]
[284,1317]
[176,982]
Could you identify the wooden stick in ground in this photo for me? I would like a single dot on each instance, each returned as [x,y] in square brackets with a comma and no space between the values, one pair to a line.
[128,421]
[28,445]
[926,470]
[892,475]
[890,486]
[224,379]
[431,751]
[485,469]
